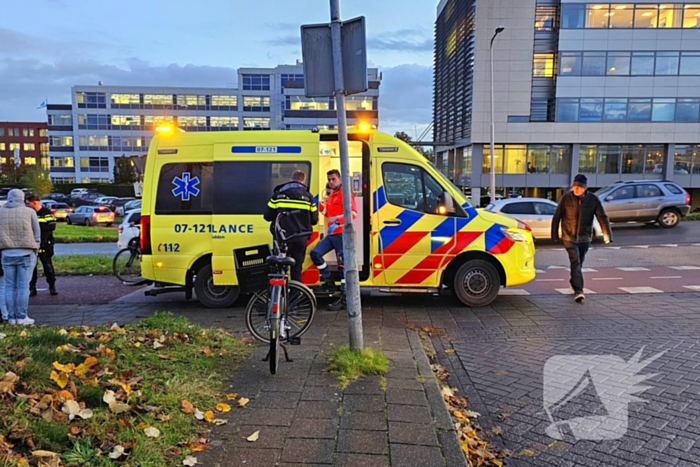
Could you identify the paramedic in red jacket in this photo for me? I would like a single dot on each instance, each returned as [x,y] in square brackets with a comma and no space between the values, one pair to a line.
[332,208]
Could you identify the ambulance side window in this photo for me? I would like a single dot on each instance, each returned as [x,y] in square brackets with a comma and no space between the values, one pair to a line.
[185,188]
[411,187]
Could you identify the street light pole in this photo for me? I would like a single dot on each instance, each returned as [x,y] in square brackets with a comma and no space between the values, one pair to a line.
[499,30]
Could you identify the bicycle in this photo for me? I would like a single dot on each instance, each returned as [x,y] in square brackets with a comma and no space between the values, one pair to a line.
[126,264]
[282,312]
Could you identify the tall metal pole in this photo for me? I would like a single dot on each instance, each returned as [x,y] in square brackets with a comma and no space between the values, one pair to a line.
[499,29]
[352,277]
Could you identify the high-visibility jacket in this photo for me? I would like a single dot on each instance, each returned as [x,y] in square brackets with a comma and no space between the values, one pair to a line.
[332,209]
[294,198]
[47,225]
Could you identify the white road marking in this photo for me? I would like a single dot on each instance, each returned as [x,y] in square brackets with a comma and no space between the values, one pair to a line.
[548,280]
[607,278]
[639,246]
[640,290]
[684,268]
[589,270]
[665,277]
[632,269]
[613,247]
[670,245]
[693,287]
[557,267]
[540,271]
[571,292]
[513,292]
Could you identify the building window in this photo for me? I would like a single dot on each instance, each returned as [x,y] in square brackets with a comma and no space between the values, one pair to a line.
[158,99]
[28,132]
[567,110]
[633,159]
[359,103]
[667,63]
[2,146]
[653,158]
[91,100]
[30,161]
[572,15]
[543,65]
[591,110]
[93,142]
[61,141]
[622,15]
[639,110]
[58,180]
[687,158]
[544,18]
[94,164]
[687,110]
[14,146]
[66,161]
[2,132]
[609,159]
[256,82]
[594,63]
[192,123]
[663,110]
[224,101]
[615,110]
[224,123]
[646,16]
[29,147]
[284,77]
[498,159]
[690,63]
[597,16]
[250,123]
[467,161]
[150,122]
[191,101]
[691,16]
[307,103]
[630,110]
[516,156]
[618,63]
[44,149]
[642,63]
[43,133]
[570,64]
[93,122]
[256,103]
[125,120]
[126,99]
[61,120]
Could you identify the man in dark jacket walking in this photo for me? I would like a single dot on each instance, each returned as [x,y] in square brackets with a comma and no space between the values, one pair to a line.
[575,213]
[47,224]
[293,199]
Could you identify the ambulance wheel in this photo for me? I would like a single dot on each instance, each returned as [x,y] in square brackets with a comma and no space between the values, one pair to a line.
[210,295]
[476,283]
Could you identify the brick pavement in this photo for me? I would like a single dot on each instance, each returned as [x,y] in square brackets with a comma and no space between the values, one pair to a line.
[500,353]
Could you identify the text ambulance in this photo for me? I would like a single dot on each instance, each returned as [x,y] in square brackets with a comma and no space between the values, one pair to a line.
[204,195]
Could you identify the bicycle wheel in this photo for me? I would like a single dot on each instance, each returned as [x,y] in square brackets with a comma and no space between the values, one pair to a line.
[126,266]
[274,320]
[301,307]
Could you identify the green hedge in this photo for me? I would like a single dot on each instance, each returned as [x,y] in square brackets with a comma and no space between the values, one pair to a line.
[693,216]
[108,189]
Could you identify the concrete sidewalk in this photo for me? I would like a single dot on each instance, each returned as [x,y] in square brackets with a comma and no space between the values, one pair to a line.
[302,416]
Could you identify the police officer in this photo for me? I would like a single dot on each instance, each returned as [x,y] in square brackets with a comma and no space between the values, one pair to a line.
[294,198]
[47,223]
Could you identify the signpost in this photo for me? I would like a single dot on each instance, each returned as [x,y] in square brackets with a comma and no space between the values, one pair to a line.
[335,64]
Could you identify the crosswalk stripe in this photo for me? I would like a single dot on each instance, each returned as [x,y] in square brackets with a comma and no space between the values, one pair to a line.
[513,292]
[571,292]
[588,270]
[640,290]
[684,268]
[693,287]
[633,269]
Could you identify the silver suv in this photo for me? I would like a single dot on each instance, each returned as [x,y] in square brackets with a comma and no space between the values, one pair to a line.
[647,201]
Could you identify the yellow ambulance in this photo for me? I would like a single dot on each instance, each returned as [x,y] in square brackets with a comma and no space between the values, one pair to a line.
[204,195]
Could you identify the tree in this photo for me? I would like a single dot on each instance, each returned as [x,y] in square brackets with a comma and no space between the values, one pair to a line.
[37,180]
[124,173]
[427,153]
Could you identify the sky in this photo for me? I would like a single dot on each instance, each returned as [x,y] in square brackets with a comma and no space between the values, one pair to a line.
[47,46]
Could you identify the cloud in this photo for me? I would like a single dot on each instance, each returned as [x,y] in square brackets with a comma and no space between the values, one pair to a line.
[285,41]
[19,44]
[28,82]
[406,99]
[404,40]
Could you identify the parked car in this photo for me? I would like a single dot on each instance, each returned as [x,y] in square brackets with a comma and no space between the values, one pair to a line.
[648,201]
[104,200]
[117,205]
[4,192]
[133,204]
[59,210]
[86,198]
[91,215]
[129,228]
[56,197]
[535,212]
[75,192]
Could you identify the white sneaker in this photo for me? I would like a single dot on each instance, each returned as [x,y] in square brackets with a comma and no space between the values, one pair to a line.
[12,321]
[24,321]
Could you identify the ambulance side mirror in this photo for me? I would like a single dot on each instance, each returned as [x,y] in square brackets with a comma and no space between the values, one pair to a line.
[447,205]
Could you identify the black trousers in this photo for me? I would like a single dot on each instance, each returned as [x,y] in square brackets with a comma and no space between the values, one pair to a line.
[49,272]
[296,248]
[577,253]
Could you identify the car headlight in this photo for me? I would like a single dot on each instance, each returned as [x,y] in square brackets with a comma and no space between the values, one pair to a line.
[514,235]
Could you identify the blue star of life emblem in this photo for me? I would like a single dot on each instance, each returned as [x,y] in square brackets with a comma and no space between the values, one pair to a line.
[185,186]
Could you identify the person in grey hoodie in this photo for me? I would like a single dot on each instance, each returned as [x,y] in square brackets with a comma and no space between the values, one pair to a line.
[20,236]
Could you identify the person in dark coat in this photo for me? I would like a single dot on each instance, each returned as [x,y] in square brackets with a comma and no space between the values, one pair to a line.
[293,199]
[575,213]
[47,224]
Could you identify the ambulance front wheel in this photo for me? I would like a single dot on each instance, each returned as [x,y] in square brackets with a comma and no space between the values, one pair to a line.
[476,283]
[210,295]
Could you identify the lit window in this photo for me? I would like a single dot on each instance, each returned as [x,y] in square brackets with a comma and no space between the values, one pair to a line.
[228,123]
[256,123]
[125,99]
[543,66]
[158,99]
[29,147]
[30,161]
[224,101]
[691,16]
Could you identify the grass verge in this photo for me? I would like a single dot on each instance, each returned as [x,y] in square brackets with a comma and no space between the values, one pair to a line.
[348,365]
[80,234]
[141,395]
[81,265]
[693,216]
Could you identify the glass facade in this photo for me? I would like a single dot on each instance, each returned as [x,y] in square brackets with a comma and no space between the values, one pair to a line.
[628,63]
[687,159]
[531,158]
[629,15]
[628,110]
[620,159]
[256,82]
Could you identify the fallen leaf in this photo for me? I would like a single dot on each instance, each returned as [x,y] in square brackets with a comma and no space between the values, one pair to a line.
[232,396]
[447,392]
[152,432]
[118,407]
[221,407]
[207,352]
[71,407]
[254,437]
[157,345]
[243,401]
[142,425]
[90,361]
[2,336]
[62,332]
[117,452]
[108,397]
[137,344]
[167,357]
[60,378]
[198,414]
[23,334]
[189,461]
[219,421]
[187,407]
[527,453]
[449,350]
[41,453]
[497,430]
[209,416]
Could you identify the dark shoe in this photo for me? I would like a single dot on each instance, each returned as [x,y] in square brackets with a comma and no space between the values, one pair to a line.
[339,304]
[32,292]
[579,297]
[52,290]
[328,287]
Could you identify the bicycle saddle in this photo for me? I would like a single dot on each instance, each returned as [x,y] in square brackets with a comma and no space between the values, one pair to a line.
[277,261]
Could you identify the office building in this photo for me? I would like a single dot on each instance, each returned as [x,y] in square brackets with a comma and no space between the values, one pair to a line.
[606,89]
[104,122]
[27,140]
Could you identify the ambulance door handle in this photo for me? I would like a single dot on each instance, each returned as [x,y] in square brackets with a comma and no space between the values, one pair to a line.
[392,222]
